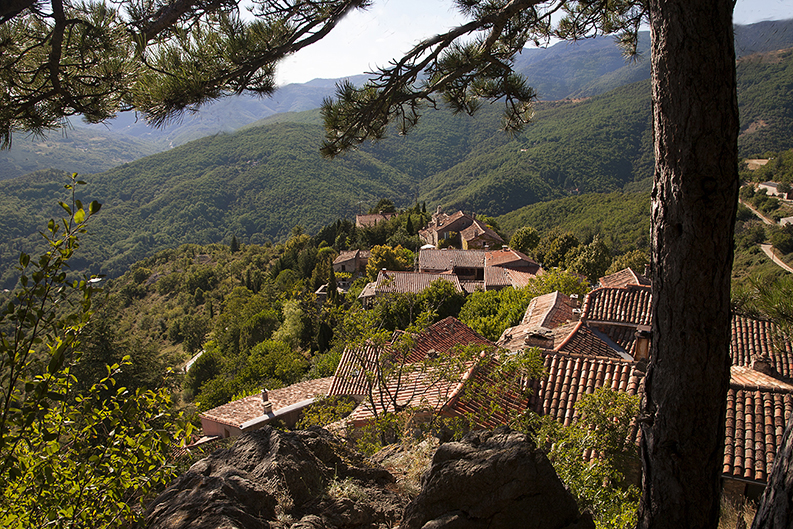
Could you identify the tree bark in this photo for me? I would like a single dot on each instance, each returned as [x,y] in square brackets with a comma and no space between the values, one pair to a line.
[776,505]
[695,115]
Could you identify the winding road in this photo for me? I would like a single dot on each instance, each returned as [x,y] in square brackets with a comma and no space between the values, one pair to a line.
[767,248]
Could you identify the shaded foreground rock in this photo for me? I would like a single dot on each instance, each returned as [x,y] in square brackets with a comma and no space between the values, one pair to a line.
[274,479]
[493,480]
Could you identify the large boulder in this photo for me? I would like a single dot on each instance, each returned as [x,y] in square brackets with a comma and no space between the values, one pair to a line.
[272,479]
[493,479]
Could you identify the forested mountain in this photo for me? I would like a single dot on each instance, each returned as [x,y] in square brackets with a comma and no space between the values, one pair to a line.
[765,82]
[565,70]
[260,182]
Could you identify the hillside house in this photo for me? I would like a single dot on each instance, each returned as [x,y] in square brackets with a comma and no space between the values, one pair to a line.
[467,265]
[283,405]
[605,342]
[481,269]
[401,283]
[352,261]
[371,220]
[478,235]
[358,374]
[772,189]
[473,233]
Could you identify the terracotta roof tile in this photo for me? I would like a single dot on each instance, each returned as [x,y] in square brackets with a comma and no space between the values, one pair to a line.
[444,335]
[354,371]
[522,279]
[490,409]
[449,259]
[529,335]
[373,219]
[624,278]
[510,258]
[477,229]
[401,282]
[471,286]
[497,278]
[622,335]
[549,310]
[420,388]
[756,338]
[237,412]
[587,342]
[755,422]
[571,376]
[619,305]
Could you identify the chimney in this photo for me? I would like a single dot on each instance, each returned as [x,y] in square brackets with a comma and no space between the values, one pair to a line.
[763,365]
[268,407]
[576,303]
[642,344]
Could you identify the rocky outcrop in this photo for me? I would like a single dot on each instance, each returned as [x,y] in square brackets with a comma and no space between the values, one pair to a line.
[492,480]
[273,479]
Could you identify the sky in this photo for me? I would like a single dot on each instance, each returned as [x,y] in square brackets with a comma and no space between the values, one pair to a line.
[388,29]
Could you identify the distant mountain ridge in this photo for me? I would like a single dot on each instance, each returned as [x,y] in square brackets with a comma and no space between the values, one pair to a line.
[260,182]
[565,70]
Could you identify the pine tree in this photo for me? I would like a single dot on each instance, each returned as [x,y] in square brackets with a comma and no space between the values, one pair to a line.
[333,293]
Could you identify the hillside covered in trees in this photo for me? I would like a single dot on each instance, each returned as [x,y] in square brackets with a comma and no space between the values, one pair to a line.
[259,183]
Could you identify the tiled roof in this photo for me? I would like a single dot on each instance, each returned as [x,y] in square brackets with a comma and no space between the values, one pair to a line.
[423,388]
[588,342]
[401,282]
[344,256]
[530,335]
[354,372]
[471,286]
[237,412]
[622,335]
[747,378]
[418,385]
[496,278]
[478,229]
[619,305]
[490,408]
[571,376]
[755,423]
[448,219]
[623,278]
[521,279]
[449,259]
[444,335]
[510,258]
[755,338]
[549,310]
[371,220]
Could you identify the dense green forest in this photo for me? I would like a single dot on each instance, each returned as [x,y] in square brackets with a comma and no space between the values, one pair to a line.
[577,70]
[259,183]
[80,150]
[765,82]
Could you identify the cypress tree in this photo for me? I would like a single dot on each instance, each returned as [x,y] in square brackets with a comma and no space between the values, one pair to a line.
[235,245]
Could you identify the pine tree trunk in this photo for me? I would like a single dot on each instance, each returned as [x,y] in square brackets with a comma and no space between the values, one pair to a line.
[776,505]
[695,195]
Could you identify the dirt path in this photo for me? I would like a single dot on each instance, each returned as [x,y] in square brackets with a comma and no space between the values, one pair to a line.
[769,251]
[763,217]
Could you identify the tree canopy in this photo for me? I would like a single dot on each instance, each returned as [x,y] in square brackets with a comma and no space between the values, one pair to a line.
[164,57]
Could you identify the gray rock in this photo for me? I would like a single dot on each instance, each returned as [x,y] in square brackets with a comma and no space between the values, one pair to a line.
[270,478]
[492,480]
